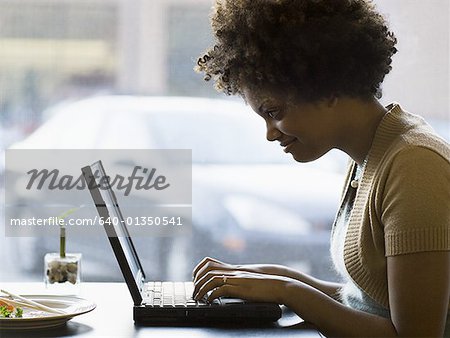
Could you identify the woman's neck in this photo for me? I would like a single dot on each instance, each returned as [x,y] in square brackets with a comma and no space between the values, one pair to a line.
[360,120]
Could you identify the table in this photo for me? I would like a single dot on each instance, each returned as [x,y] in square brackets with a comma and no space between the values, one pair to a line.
[110,320]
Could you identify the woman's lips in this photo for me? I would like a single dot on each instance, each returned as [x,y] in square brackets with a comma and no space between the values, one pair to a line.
[289,145]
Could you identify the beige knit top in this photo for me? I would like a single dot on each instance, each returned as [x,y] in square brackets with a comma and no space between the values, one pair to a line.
[402,203]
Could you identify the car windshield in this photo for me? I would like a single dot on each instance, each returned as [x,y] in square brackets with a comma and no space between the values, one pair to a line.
[213,138]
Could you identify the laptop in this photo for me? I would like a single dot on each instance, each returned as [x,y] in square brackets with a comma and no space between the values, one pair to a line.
[157,302]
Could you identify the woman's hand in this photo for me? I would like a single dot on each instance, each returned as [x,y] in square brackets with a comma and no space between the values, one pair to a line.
[241,284]
[237,281]
[210,264]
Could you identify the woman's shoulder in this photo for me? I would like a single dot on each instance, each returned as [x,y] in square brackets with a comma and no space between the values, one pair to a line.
[415,140]
[415,155]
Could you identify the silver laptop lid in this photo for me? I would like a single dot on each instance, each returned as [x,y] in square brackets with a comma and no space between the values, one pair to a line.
[118,235]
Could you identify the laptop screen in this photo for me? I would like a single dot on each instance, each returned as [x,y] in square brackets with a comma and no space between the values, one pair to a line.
[119,237]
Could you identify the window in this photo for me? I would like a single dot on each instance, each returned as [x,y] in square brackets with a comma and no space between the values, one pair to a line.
[251,202]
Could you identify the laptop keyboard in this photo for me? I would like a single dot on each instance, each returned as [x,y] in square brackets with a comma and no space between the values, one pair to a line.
[172,294]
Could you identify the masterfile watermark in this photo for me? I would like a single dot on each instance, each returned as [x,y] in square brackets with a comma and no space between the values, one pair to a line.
[148,180]
[152,187]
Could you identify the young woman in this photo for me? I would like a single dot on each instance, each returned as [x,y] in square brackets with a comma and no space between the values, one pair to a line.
[312,69]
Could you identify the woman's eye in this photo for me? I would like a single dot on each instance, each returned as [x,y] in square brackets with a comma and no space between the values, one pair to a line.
[272,113]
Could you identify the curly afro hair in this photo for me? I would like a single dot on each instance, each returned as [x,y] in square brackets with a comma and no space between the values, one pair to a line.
[311,48]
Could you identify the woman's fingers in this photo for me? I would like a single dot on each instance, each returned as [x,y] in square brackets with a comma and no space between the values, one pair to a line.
[224,279]
[206,268]
[209,275]
[226,290]
[209,264]
[211,282]
[244,285]
[202,263]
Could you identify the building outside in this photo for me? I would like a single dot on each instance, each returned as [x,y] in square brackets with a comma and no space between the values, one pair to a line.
[52,50]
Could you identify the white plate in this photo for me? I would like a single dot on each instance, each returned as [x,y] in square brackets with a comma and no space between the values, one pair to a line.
[33,319]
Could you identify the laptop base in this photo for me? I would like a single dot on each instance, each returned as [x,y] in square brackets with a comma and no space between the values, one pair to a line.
[243,313]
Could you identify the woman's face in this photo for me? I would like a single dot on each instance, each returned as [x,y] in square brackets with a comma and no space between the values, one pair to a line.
[306,130]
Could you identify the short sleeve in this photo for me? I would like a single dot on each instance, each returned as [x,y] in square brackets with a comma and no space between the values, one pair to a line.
[416,202]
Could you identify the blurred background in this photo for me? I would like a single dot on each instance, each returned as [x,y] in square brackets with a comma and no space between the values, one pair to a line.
[63,60]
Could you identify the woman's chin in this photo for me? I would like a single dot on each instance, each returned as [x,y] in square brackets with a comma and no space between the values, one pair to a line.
[304,157]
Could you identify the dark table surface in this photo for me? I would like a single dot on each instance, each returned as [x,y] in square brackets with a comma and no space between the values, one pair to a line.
[113,317]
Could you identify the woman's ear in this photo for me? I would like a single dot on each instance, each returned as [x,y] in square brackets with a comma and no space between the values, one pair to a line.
[332,101]
[329,102]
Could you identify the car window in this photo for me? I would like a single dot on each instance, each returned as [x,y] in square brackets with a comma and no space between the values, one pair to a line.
[125,130]
[215,138]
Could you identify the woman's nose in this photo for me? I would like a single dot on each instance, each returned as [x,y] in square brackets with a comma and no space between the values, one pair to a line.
[272,133]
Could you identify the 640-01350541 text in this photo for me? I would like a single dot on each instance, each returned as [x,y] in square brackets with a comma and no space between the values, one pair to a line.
[144,221]
[129,221]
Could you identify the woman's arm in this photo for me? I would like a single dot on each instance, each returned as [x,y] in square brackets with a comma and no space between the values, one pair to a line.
[329,288]
[419,294]
[209,264]
[419,291]
[330,316]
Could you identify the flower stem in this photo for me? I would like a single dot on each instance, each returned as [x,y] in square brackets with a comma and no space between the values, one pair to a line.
[62,232]
[62,242]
